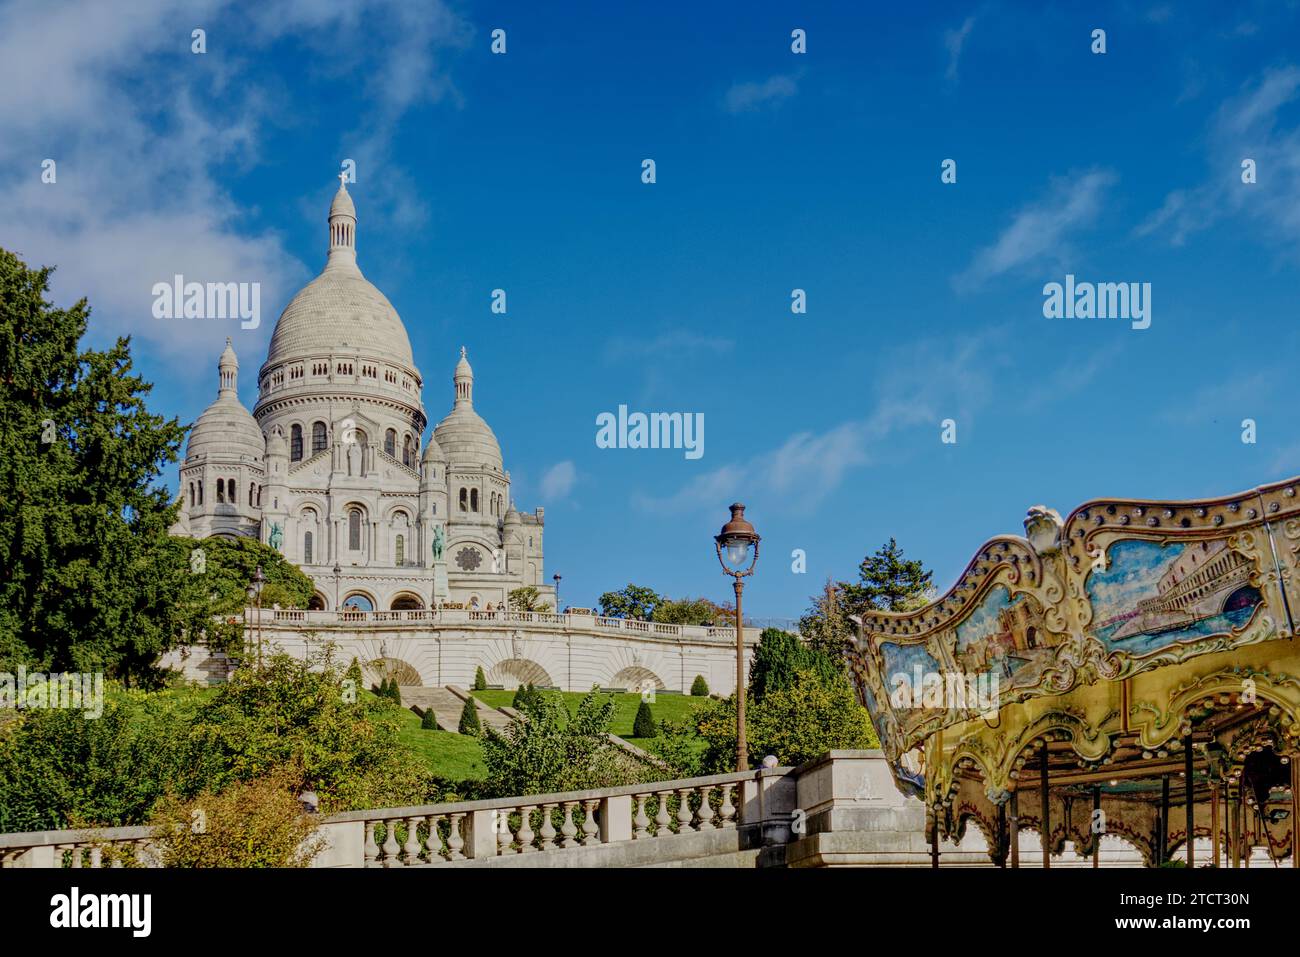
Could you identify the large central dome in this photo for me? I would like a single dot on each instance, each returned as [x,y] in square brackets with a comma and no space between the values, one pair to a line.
[339,310]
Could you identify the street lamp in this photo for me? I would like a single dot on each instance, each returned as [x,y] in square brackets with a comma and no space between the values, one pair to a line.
[556,578]
[737,546]
[255,594]
[337,571]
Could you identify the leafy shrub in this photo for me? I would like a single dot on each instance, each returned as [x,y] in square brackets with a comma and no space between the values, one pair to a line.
[480,679]
[643,726]
[796,723]
[428,720]
[552,751]
[469,722]
[699,687]
[255,823]
[780,657]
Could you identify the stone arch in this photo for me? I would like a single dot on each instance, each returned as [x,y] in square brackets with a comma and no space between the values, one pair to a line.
[378,669]
[317,602]
[359,594]
[514,672]
[405,601]
[634,677]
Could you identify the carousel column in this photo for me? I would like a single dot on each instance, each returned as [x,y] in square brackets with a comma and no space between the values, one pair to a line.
[1015,830]
[1096,844]
[1046,812]
[1214,824]
[934,837]
[1001,859]
[1295,810]
[1189,799]
[1162,830]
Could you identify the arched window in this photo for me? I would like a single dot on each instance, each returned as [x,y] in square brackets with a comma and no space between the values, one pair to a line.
[252,494]
[464,499]
[200,491]
[318,437]
[191,495]
[473,500]
[354,530]
[221,491]
[390,443]
[306,548]
[232,493]
[401,550]
[406,451]
[295,443]
[361,436]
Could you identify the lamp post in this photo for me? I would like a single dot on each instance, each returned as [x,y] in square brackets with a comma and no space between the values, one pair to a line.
[737,546]
[337,571]
[255,593]
[556,578]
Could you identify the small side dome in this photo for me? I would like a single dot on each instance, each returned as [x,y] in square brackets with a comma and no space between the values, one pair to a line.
[226,429]
[277,444]
[432,452]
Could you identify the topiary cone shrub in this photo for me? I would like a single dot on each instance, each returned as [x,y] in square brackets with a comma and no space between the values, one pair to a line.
[644,725]
[469,722]
[699,687]
[428,721]
[480,679]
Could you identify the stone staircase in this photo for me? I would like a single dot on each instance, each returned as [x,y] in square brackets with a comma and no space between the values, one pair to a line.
[447,704]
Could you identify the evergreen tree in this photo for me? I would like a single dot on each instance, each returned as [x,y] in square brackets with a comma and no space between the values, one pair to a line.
[699,687]
[643,726]
[429,721]
[888,582]
[779,659]
[480,680]
[469,722]
[826,626]
[91,579]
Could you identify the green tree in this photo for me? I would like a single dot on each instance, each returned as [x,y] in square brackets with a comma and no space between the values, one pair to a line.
[428,720]
[888,582]
[699,687]
[90,579]
[527,598]
[826,625]
[643,726]
[634,601]
[796,723]
[690,611]
[469,722]
[480,679]
[552,751]
[780,657]
[220,570]
[295,712]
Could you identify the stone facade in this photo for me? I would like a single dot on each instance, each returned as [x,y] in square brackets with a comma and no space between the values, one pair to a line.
[331,466]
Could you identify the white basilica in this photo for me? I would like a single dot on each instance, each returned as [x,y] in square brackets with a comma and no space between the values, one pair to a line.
[329,467]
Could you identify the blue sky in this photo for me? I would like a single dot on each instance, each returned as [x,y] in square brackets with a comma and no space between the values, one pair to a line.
[775,171]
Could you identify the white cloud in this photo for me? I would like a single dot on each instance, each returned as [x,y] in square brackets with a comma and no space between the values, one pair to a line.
[147,136]
[954,41]
[750,97]
[558,481]
[918,386]
[1040,232]
[1246,126]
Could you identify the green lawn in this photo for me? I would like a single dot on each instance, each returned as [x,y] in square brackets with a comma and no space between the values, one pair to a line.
[449,755]
[674,707]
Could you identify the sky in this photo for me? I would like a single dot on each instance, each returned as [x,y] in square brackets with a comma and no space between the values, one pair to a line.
[775,171]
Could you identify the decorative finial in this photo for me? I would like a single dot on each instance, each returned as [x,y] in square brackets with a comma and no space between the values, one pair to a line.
[462,352]
[343,180]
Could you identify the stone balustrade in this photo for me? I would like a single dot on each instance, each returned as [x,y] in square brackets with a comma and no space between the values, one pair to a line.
[457,617]
[839,810]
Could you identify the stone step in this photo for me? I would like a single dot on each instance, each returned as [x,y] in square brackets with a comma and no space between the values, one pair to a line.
[447,706]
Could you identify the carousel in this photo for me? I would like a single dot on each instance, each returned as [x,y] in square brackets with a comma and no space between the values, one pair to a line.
[1129,672]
